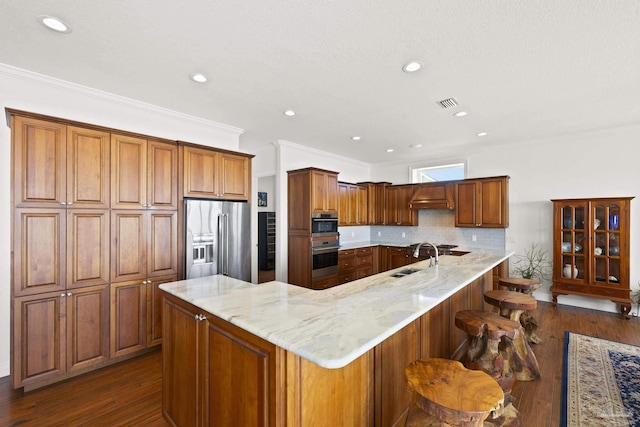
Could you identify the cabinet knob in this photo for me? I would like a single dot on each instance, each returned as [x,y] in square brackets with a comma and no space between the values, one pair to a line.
[63,295]
[69,203]
[69,294]
[200,317]
[63,203]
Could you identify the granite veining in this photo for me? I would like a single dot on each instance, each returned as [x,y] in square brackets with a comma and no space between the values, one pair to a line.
[333,327]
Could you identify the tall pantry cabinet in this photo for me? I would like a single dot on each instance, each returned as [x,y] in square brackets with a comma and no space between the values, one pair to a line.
[82,208]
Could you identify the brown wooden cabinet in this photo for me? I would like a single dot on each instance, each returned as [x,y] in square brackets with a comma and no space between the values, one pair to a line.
[128,317]
[324,191]
[398,212]
[482,202]
[397,257]
[213,174]
[353,204]
[591,249]
[57,333]
[143,173]
[59,166]
[355,264]
[376,201]
[143,244]
[215,373]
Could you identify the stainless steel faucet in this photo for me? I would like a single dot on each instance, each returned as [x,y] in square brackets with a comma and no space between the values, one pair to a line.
[416,253]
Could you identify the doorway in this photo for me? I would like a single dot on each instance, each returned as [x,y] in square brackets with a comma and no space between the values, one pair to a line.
[266,229]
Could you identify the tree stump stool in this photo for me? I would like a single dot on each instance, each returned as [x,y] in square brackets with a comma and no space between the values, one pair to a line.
[525,286]
[514,305]
[489,336]
[450,394]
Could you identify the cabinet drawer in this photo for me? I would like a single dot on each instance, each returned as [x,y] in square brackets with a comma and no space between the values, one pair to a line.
[576,289]
[346,264]
[364,251]
[610,292]
[347,277]
[364,272]
[364,260]
[345,253]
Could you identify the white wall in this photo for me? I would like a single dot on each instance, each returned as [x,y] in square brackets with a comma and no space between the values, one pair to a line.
[39,94]
[596,164]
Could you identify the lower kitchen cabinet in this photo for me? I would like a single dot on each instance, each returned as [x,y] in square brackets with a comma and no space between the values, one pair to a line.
[136,319]
[397,257]
[216,373]
[355,264]
[58,333]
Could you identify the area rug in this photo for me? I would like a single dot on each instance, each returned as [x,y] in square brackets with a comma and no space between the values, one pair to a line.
[600,383]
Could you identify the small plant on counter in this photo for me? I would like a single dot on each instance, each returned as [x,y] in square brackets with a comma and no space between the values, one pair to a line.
[534,264]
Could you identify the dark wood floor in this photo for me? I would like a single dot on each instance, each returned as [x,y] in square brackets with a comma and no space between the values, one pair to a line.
[129,394]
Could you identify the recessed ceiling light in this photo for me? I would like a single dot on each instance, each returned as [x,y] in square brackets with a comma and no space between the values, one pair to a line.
[290,113]
[389,150]
[482,134]
[411,67]
[416,146]
[199,78]
[460,114]
[54,24]
[355,138]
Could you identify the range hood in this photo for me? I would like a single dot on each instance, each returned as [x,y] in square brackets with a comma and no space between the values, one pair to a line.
[433,195]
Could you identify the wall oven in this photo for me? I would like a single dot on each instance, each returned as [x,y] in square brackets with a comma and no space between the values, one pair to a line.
[324,256]
[324,224]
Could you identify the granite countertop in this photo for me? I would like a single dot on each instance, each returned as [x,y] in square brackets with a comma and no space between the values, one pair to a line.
[364,244]
[333,327]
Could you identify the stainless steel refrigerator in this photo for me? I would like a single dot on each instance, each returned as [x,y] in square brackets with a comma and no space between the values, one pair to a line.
[218,239]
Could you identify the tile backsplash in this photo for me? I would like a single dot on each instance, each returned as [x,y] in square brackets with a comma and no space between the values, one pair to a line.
[435,225]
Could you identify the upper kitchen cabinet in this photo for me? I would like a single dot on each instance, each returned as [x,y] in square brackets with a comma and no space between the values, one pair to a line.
[353,204]
[398,212]
[324,191]
[143,173]
[482,202]
[59,166]
[376,201]
[214,174]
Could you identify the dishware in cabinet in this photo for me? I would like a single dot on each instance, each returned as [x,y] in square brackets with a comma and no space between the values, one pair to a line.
[591,249]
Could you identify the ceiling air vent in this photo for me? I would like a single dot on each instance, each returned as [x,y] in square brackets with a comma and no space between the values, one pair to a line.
[448,103]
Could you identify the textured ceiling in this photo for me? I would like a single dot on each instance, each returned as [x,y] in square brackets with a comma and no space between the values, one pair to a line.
[522,69]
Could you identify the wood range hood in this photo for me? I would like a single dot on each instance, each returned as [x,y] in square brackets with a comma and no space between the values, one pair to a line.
[433,195]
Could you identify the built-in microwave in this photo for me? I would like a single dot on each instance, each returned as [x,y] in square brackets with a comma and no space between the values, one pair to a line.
[324,224]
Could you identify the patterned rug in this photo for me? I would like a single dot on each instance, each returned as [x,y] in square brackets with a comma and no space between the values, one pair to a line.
[600,383]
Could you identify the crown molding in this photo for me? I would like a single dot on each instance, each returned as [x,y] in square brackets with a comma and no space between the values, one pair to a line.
[33,78]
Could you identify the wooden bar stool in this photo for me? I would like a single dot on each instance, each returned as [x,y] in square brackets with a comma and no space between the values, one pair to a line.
[498,347]
[515,306]
[527,287]
[447,393]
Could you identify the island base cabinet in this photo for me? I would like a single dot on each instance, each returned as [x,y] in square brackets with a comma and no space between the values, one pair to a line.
[218,374]
[215,374]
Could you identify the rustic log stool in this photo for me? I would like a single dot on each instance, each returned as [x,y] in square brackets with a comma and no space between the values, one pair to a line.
[486,351]
[516,306]
[525,286]
[450,394]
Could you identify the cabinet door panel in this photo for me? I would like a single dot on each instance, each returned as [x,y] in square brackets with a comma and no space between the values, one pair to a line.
[128,172]
[39,149]
[200,173]
[162,175]
[128,245]
[37,337]
[88,168]
[319,191]
[154,309]
[87,248]
[128,334]
[39,255]
[234,177]
[493,199]
[181,366]
[332,193]
[163,244]
[87,327]
[466,204]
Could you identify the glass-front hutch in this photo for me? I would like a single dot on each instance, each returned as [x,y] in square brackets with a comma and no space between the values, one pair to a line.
[591,249]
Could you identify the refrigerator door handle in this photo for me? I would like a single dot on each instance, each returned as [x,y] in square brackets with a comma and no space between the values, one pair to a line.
[220,244]
[226,244]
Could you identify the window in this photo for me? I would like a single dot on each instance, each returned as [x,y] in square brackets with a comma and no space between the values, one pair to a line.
[438,173]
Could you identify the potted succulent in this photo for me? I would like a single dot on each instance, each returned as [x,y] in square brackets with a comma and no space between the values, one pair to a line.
[534,264]
[635,296]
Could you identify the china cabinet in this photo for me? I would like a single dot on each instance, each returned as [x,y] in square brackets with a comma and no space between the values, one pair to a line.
[591,249]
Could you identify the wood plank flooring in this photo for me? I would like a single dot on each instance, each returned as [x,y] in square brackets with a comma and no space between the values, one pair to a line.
[130,393]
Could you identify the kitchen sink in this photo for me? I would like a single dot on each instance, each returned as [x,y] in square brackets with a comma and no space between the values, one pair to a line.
[405,272]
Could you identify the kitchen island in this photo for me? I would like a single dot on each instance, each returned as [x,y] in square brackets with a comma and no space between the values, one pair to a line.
[280,355]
